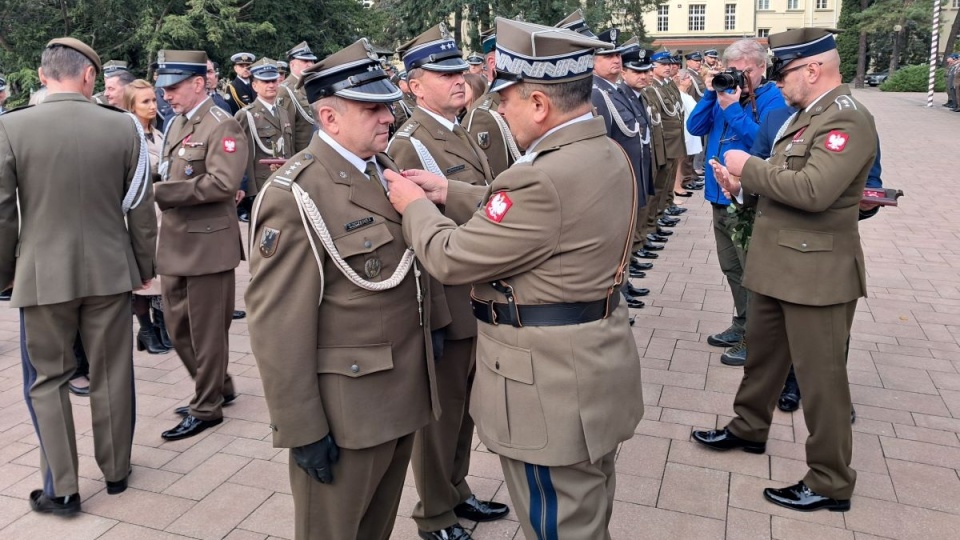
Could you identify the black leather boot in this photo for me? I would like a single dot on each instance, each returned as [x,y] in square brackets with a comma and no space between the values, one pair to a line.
[161,328]
[147,337]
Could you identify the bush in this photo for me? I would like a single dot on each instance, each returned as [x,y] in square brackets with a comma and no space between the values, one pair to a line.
[913,79]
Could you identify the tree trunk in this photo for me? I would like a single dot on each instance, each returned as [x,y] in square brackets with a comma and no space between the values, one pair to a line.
[951,39]
[861,52]
[458,23]
[895,54]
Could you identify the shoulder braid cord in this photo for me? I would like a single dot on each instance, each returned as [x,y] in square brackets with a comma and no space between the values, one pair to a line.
[620,123]
[655,122]
[667,110]
[429,164]
[313,223]
[300,110]
[164,167]
[256,137]
[141,177]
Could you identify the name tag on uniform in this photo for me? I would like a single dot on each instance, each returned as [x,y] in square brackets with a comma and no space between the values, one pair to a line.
[354,225]
[455,169]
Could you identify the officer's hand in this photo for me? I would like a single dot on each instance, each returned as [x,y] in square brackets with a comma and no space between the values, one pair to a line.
[401,190]
[735,160]
[725,99]
[240,195]
[434,186]
[317,459]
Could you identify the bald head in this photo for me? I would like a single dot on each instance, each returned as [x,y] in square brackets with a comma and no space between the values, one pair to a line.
[806,79]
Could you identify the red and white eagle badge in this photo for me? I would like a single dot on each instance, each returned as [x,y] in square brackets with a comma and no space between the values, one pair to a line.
[836,141]
[229,145]
[497,206]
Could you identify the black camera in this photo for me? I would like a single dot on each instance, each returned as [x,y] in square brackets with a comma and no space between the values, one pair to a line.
[728,80]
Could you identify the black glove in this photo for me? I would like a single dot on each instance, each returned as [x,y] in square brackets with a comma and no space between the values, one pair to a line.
[317,459]
[437,337]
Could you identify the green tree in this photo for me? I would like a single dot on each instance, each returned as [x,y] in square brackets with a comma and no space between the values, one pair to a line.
[848,42]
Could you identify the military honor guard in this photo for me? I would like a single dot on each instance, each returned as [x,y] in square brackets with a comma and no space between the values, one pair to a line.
[267,126]
[115,78]
[240,92]
[485,124]
[293,98]
[349,382]
[711,60]
[557,386]
[805,267]
[3,93]
[75,259]
[201,165]
[694,63]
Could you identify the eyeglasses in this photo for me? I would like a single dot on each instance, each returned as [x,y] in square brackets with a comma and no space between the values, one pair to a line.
[780,75]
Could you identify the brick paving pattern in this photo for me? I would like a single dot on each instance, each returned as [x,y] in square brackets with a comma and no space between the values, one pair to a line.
[904,367]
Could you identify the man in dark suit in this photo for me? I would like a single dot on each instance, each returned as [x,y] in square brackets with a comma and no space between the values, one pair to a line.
[240,90]
[75,259]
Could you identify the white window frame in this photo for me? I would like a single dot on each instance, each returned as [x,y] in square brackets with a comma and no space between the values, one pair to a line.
[699,19]
[763,5]
[730,17]
[663,18]
[822,4]
[763,32]
[794,5]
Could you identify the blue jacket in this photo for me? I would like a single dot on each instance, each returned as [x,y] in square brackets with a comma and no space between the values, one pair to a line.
[733,128]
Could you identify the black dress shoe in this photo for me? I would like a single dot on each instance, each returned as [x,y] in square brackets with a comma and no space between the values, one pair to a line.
[237,314]
[684,194]
[644,254]
[652,247]
[635,263]
[5,295]
[634,303]
[59,506]
[722,439]
[244,217]
[662,223]
[639,274]
[800,497]
[636,291]
[674,211]
[185,410]
[454,532]
[188,427]
[480,511]
[669,219]
[728,338]
[114,488]
[789,398]
[664,232]
[656,238]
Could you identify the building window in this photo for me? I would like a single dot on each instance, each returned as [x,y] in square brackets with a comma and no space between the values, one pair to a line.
[730,17]
[793,4]
[956,4]
[663,18]
[763,32]
[821,4]
[698,17]
[763,4]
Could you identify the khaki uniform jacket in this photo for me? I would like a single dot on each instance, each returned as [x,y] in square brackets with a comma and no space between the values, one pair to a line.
[70,163]
[545,395]
[458,159]
[667,110]
[298,109]
[698,87]
[204,157]
[658,148]
[402,111]
[491,133]
[805,246]
[275,134]
[356,366]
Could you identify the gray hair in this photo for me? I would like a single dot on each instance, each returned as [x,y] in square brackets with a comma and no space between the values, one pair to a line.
[59,63]
[124,76]
[566,96]
[746,49]
[336,103]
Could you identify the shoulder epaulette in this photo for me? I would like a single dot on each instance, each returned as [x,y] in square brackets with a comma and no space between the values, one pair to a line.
[485,105]
[407,130]
[218,113]
[285,177]
[845,102]
[20,108]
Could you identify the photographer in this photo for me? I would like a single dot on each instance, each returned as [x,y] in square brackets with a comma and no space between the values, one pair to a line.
[731,117]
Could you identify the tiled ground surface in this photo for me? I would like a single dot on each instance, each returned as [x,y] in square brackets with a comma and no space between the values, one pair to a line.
[904,367]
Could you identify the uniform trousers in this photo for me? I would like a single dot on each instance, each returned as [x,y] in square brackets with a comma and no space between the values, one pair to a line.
[441,449]
[641,228]
[47,335]
[663,188]
[362,501]
[570,501]
[732,259]
[198,311]
[813,338]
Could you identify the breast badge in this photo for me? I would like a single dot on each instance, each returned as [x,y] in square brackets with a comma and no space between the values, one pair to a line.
[269,240]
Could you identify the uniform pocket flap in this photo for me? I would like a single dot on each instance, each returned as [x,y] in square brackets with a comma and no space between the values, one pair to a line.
[805,241]
[193,154]
[354,361]
[364,240]
[513,363]
[208,225]
[796,150]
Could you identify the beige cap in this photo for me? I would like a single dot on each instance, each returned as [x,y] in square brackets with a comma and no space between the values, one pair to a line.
[79,46]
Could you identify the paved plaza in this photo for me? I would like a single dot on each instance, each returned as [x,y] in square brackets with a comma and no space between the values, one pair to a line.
[230,482]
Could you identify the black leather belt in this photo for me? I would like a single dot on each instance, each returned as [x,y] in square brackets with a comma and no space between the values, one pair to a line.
[543,314]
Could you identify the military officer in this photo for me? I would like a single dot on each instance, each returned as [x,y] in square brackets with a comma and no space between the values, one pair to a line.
[240,93]
[805,266]
[485,124]
[349,382]
[663,98]
[213,82]
[711,59]
[75,259]
[267,126]
[431,139]
[109,68]
[558,375]
[283,69]
[694,63]
[294,99]
[201,166]
[403,109]
[476,64]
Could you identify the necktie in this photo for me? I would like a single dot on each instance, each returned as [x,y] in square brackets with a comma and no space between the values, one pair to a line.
[374,175]
[461,133]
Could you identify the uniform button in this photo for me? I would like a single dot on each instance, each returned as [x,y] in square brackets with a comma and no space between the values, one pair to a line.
[803,245]
[208,227]
[368,244]
[355,368]
[498,365]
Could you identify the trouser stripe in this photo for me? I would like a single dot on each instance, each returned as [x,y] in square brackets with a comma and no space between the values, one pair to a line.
[543,502]
[29,378]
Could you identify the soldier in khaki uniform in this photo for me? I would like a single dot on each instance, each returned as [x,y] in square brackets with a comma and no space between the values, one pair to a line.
[349,382]
[805,266]
[485,124]
[558,374]
[691,163]
[432,140]
[201,166]
[75,259]
[267,126]
[294,99]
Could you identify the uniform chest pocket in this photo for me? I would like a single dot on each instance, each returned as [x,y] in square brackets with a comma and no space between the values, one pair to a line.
[363,250]
[192,154]
[266,131]
[805,241]
[795,156]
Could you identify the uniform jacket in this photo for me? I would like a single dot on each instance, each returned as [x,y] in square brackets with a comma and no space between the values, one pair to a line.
[805,246]
[356,366]
[459,159]
[402,111]
[275,133]
[70,162]
[239,94]
[658,150]
[205,158]
[298,109]
[545,395]
[491,133]
[698,88]
[627,113]
[666,110]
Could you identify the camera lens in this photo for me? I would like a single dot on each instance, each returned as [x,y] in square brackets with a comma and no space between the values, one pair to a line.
[723,82]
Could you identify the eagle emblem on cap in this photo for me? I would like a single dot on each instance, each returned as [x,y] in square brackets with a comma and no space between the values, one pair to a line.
[444,33]
[643,53]
[369,48]
[614,34]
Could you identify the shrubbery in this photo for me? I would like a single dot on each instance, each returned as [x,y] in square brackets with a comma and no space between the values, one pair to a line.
[913,79]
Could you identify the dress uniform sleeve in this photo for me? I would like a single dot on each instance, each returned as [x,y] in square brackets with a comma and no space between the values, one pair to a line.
[600,109]
[9,213]
[282,301]
[221,180]
[516,240]
[463,201]
[142,219]
[402,152]
[837,156]
[248,184]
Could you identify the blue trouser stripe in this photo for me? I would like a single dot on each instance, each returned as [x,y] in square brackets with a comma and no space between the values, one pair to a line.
[550,513]
[29,378]
[536,500]
[543,502]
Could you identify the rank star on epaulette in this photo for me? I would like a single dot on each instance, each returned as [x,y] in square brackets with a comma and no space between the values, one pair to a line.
[293,167]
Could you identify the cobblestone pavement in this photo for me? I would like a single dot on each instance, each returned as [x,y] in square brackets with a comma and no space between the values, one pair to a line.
[904,367]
